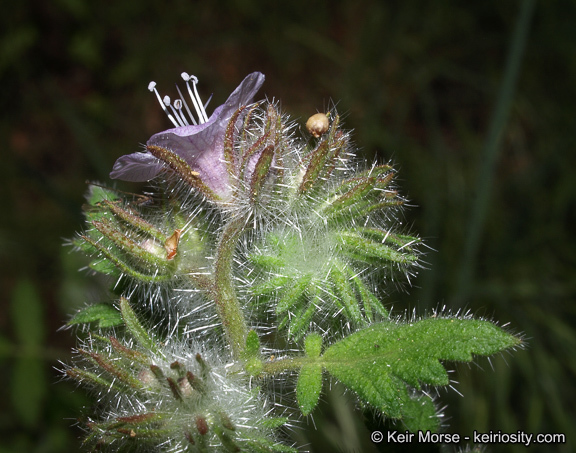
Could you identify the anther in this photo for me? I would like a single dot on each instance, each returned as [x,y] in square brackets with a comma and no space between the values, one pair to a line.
[177,116]
[186,105]
[203,118]
[179,113]
[152,87]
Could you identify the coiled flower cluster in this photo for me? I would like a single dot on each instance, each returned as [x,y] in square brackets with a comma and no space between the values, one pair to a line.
[256,241]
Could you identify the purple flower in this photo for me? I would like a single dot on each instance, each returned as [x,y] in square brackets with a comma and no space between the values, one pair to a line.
[200,146]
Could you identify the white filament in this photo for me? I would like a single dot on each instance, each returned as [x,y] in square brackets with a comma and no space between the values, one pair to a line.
[174,110]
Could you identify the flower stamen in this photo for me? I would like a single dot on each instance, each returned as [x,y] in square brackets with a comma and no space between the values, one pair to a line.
[152,87]
[195,96]
[186,105]
[176,114]
[181,116]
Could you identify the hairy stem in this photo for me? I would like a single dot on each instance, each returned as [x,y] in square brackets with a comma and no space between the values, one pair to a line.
[281,366]
[227,304]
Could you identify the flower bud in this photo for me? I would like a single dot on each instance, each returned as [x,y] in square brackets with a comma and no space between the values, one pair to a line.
[318,124]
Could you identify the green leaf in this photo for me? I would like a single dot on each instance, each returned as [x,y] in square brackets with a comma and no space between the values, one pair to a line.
[267,261]
[313,345]
[122,266]
[135,221]
[127,245]
[322,159]
[419,414]
[98,194]
[27,314]
[105,315]
[357,193]
[379,362]
[252,344]
[251,354]
[308,387]
[370,301]
[104,267]
[271,286]
[309,383]
[114,368]
[384,236]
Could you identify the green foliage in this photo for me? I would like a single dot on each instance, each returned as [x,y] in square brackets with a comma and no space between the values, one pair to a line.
[309,383]
[381,363]
[105,315]
[308,387]
[362,194]
[99,194]
[251,354]
[313,345]
[124,242]
[319,250]
[265,446]
[309,266]
[358,247]
[321,160]
[419,414]
[252,345]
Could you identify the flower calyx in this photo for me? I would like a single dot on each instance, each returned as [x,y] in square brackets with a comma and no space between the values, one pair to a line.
[170,396]
[126,242]
[194,152]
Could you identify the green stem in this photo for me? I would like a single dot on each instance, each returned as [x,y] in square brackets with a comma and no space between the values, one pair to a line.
[289,364]
[227,304]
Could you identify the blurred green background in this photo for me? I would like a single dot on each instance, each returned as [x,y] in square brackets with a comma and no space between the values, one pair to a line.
[474,102]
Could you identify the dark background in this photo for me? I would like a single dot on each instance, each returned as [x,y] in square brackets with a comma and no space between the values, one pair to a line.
[421,83]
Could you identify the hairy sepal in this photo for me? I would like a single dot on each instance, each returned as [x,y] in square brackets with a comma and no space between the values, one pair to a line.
[171,396]
[321,161]
[151,243]
[318,277]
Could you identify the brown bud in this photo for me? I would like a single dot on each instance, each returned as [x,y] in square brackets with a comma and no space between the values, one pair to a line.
[202,425]
[171,244]
[318,124]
